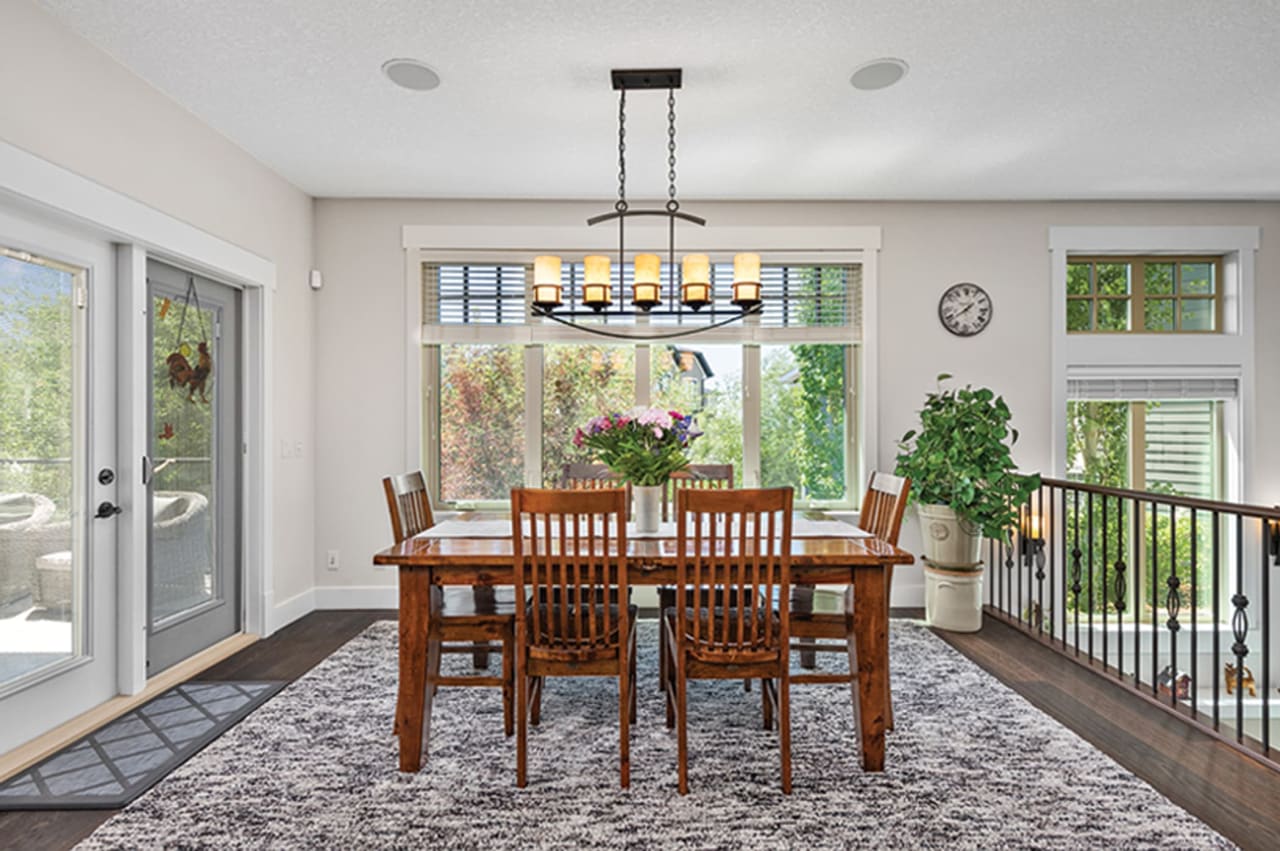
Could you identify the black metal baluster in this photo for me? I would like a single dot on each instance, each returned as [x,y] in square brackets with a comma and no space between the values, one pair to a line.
[1050,530]
[1217,614]
[1089,546]
[1266,635]
[1154,580]
[1075,569]
[1194,611]
[1043,533]
[1106,659]
[1173,603]
[1240,627]
[1120,592]
[1139,566]
[1016,602]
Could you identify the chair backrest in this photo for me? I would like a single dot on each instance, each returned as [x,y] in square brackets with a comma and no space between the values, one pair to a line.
[570,550]
[883,505]
[698,476]
[587,477]
[408,504]
[734,545]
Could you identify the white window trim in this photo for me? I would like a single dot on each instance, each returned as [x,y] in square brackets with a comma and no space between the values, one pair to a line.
[1229,354]
[140,232]
[782,244]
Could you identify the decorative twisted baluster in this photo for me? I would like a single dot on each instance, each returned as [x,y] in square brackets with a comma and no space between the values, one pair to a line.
[1240,628]
[1120,586]
[1173,602]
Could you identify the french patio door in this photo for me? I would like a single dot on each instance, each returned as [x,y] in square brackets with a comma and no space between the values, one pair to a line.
[193,466]
[58,483]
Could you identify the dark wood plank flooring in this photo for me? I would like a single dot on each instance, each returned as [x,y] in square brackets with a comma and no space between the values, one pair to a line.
[1230,791]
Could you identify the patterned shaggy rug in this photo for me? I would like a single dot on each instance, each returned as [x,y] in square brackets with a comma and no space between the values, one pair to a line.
[971,765]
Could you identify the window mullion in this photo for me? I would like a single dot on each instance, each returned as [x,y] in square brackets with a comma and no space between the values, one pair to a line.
[429,452]
[751,393]
[644,375]
[533,416]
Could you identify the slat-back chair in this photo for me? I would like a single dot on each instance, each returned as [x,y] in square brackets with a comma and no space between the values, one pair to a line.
[479,616]
[734,547]
[570,550]
[881,515]
[587,477]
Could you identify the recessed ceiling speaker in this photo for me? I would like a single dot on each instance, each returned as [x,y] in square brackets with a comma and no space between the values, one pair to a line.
[411,74]
[878,74]
[315,279]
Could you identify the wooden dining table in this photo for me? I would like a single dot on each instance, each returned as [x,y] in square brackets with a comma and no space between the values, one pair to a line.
[423,562]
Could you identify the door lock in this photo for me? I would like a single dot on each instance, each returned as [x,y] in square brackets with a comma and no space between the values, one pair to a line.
[106,476]
[108,509]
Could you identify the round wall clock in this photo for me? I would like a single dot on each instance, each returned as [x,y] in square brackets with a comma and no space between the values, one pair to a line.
[964,309]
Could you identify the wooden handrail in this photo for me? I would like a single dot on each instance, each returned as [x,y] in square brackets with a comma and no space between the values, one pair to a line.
[1259,511]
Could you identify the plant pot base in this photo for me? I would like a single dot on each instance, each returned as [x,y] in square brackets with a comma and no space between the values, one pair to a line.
[953,598]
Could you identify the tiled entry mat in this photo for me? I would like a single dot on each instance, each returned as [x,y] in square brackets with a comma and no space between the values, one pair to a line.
[118,762]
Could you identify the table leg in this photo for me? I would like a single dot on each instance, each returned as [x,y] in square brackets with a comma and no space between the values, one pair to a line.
[871,629]
[802,604]
[415,624]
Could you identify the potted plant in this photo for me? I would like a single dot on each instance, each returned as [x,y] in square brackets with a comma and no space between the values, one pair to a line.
[965,485]
[643,446]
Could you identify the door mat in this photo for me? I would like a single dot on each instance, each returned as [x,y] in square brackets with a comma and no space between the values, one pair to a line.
[119,761]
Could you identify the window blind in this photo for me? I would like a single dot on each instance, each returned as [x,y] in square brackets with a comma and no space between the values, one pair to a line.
[1181,449]
[1146,389]
[473,294]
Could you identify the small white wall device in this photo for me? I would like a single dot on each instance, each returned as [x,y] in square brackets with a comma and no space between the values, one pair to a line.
[315,280]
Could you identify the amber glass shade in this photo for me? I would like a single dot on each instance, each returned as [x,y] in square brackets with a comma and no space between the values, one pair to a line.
[597,289]
[647,286]
[546,281]
[695,289]
[746,280]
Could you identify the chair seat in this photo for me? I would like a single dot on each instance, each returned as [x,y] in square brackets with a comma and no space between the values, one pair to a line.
[573,624]
[703,650]
[459,603]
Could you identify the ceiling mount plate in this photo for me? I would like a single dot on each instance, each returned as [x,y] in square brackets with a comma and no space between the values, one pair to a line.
[647,78]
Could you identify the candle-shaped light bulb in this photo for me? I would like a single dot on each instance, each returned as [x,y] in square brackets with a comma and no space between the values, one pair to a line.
[696,281]
[647,283]
[746,280]
[546,281]
[597,288]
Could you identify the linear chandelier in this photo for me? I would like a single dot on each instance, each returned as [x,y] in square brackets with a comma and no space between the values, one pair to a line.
[691,295]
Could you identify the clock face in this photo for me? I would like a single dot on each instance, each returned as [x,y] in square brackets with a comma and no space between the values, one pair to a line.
[965,309]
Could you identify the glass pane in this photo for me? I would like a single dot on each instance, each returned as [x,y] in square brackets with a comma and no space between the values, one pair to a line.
[1197,279]
[1113,279]
[1113,314]
[1158,314]
[1078,278]
[1080,314]
[1158,278]
[580,382]
[39,568]
[803,420]
[183,552]
[705,381]
[1197,314]
[481,421]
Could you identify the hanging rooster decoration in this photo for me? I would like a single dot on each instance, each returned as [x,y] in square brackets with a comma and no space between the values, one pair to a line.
[183,374]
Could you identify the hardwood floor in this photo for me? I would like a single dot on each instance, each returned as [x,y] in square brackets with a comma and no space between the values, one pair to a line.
[287,655]
[1232,792]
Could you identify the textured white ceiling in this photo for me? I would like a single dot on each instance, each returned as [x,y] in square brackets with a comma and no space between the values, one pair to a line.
[1005,98]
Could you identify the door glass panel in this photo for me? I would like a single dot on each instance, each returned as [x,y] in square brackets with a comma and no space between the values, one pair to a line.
[184,434]
[41,452]
[705,381]
[803,420]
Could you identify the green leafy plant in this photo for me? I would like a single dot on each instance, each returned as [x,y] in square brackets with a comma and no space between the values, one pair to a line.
[644,446]
[961,457]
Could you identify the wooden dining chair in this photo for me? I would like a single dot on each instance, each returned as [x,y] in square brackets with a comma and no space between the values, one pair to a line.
[832,632]
[570,551]
[733,545]
[577,476]
[476,620]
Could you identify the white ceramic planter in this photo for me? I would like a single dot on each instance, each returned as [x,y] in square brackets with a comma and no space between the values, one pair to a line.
[948,541]
[953,599]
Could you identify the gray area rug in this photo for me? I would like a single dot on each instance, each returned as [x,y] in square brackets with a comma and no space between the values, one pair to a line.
[971,765]
[119,761]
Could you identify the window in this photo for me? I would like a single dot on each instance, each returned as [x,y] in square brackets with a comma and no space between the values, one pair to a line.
[1144,294]
[1171,444]
[773,394]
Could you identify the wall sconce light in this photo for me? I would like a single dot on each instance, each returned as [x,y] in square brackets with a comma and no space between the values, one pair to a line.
[1031,538]
[1273,525]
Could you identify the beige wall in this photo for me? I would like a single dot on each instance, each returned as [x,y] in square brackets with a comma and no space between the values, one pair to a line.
[360,403]
[66,101]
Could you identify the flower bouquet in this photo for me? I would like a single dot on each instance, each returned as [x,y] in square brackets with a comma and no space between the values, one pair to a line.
[643,446]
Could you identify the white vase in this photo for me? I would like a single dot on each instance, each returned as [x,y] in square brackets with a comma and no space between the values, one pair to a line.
[648,506]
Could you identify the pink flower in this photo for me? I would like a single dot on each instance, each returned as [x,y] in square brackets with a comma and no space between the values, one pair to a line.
[676,415]
[577,438]
[657,432]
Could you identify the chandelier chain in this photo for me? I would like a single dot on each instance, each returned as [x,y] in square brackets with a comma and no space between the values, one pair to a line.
[621,205]
[672,203]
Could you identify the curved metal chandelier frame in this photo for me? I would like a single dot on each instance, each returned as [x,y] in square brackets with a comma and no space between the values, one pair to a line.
[689,294]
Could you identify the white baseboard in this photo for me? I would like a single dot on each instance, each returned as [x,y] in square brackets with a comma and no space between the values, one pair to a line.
[290,610]
[357,597]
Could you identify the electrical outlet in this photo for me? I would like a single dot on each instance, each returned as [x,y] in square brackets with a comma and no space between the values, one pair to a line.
[332,564]
[286,449]
[297,449]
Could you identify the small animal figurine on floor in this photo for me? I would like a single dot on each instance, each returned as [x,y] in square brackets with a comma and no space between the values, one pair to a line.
[1234,679]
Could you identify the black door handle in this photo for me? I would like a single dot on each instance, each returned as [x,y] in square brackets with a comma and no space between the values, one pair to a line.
[108,509]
